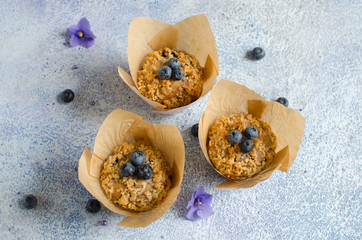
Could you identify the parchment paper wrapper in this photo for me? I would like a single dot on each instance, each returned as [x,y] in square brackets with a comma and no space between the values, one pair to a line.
[122,126]
[287,125]
[193,35]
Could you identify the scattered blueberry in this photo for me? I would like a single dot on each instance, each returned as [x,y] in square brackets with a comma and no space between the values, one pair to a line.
[178,74]
[145,172]
[165,72]
[93,206]
[127,169]
[257,53]
[137,158]
[174,63]
[67,96]
[251,133]
[104,223]
[283,100]
[30,201]
[195,130]
[246,146]
[234,137]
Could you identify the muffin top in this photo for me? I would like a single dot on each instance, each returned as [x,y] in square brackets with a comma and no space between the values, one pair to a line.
[178,83]
[240,146]
[142,190]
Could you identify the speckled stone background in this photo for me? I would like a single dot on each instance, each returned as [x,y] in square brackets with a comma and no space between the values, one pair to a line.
[313,57]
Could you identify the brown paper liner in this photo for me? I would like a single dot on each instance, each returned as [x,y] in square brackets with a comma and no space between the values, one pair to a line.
[120,126]
[287,125]
[193,35]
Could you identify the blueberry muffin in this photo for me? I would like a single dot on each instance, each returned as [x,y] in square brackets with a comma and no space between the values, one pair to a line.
[136,176]
[171,77]
[240,146]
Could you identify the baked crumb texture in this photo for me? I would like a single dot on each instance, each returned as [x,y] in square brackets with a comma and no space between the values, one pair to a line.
[228,159]
[132,192]
[171,93]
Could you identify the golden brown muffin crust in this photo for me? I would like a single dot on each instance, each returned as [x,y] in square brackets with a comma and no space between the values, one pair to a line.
[171,93]
[132,192]
[228,159]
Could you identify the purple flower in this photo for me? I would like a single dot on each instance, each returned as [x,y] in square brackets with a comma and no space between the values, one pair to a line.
[199,205]
[81,34]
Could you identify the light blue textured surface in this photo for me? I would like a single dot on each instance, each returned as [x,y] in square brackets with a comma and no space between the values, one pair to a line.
[313,57]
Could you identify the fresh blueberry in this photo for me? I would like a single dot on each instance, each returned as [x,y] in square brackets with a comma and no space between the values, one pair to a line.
[30,201]
[145,172]
[137,158]
[283,100]
[251,133]
[234,137]
[67,96]
[127,169]
[178,74]
[93,205]
[165,72]
[246,146]
[258,53]
[195,130]
[174,63]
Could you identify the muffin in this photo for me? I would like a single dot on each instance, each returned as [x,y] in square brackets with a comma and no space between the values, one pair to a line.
[136,192]
[235,152]
[171,90]
[246,138]
[151,44]
[154,158]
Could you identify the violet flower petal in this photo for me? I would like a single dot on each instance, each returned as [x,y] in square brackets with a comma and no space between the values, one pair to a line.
[205,199]
[192,214]
[205,212]
[84,24]
[191,203]
[72,30]
[199,191]
[87,43]
[88,34]
[195,195]
[74,41]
